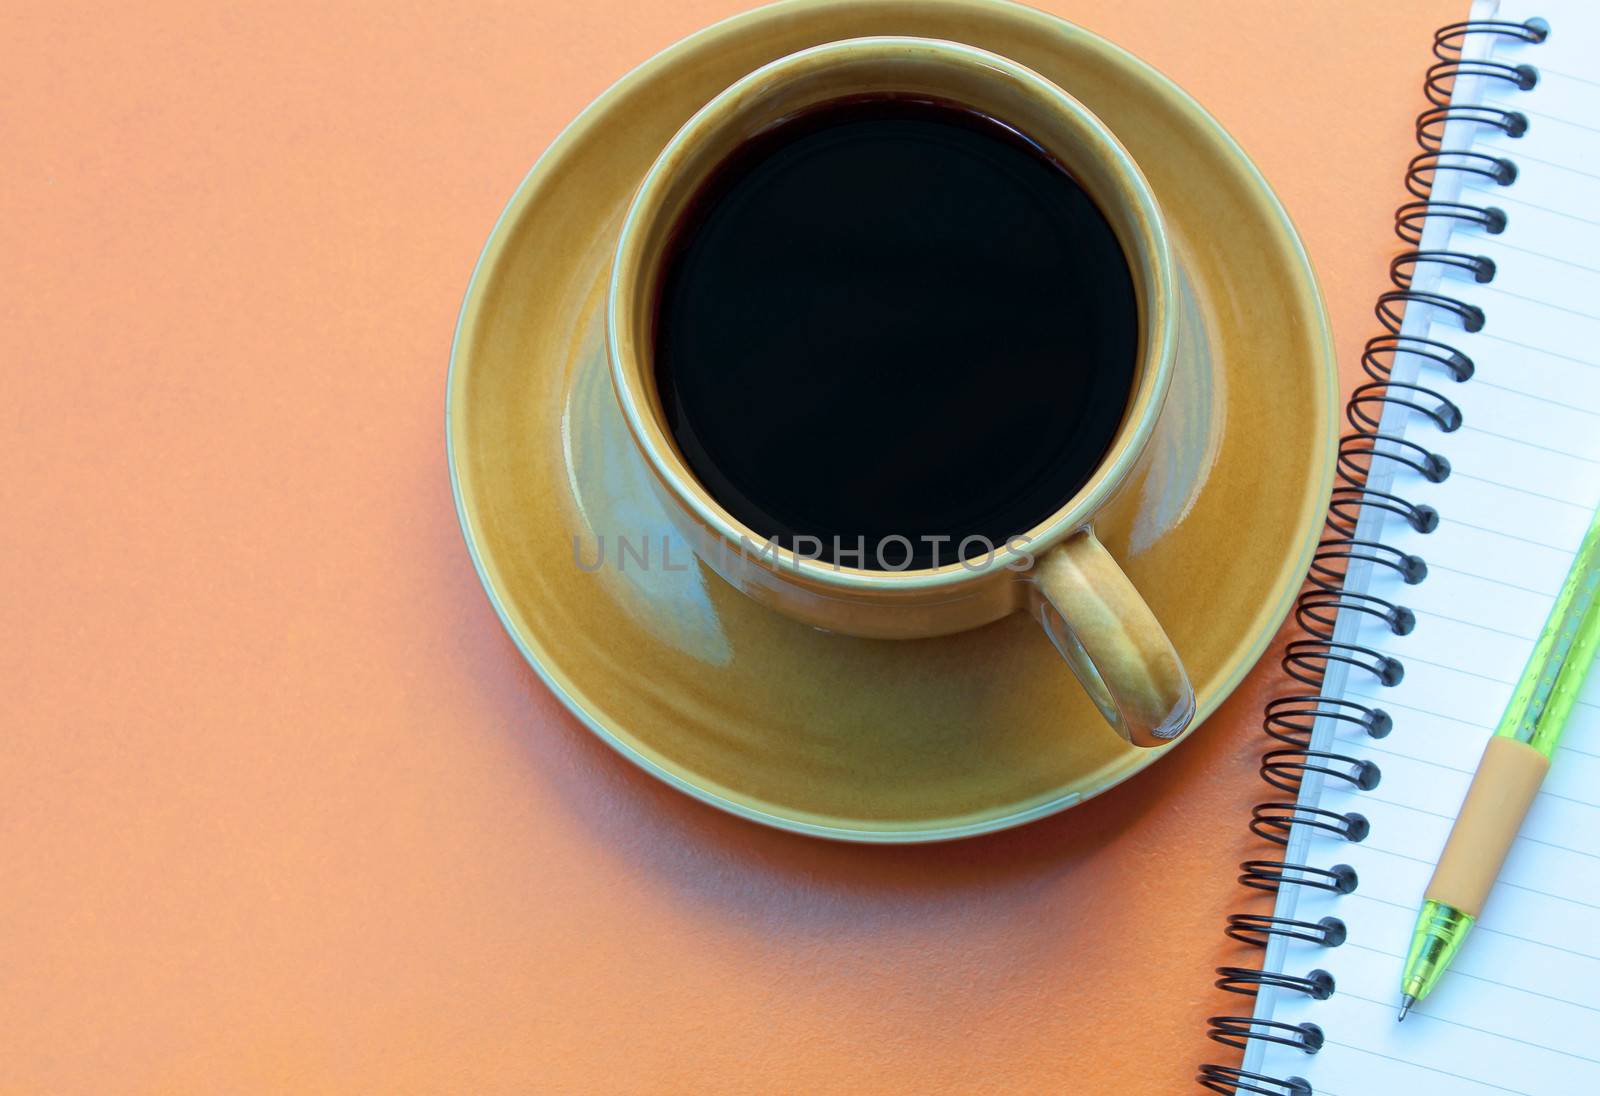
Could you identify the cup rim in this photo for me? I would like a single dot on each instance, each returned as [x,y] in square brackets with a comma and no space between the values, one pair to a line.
[1157,320]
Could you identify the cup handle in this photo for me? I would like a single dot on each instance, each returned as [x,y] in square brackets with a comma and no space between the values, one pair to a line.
[1112,641]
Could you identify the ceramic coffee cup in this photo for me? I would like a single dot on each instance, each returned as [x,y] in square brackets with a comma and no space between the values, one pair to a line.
[1057,570]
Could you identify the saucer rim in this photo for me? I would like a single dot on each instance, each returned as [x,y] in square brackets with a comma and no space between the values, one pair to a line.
[1266,620]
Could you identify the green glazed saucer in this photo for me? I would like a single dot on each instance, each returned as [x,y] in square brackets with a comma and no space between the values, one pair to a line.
[875,740]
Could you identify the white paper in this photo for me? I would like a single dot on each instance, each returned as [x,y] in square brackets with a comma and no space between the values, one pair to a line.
[1519,1012]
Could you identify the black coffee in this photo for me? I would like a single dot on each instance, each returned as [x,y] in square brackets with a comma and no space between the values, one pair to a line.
[894,318]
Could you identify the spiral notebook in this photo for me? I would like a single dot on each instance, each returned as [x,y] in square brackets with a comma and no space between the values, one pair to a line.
[1466,483]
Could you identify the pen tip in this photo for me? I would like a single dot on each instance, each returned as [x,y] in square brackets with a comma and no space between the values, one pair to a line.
[1405,1006]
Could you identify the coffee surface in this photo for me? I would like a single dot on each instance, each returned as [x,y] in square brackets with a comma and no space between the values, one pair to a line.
[889,318]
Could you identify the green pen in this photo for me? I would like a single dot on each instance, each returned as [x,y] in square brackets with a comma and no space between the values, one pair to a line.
[1513,766]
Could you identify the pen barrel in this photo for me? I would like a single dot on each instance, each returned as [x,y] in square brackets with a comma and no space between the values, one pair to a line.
[1508,778]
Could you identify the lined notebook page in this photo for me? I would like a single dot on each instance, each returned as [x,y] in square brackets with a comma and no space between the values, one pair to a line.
[1520,1010]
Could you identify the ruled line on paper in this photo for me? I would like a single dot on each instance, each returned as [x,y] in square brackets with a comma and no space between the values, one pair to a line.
[1469,429]
[1398,957]
[1521,490]
[1387,1005]
[1505,103]
[1444,817]
[1569,76]
[1531,158]
[1506,533]
[1493,337]
[1534,396]
[1429,862]
[1480,928]
[1500,199]
[1496,242]
[1542,303]
[1433,614]
[1432,567]
[1431,1069]
[1389,702]
[1412,656]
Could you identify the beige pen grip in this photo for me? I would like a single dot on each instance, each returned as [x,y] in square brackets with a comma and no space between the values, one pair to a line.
[1508,778]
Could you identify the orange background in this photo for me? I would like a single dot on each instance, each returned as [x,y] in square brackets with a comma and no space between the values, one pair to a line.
[281,808]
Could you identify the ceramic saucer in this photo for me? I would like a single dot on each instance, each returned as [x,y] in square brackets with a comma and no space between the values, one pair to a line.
[875,740]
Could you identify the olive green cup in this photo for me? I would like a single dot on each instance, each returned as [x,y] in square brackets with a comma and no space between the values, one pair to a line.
[1056,570]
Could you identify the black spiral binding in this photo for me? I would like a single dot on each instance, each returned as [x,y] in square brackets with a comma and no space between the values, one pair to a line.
[1290,720]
